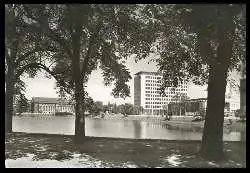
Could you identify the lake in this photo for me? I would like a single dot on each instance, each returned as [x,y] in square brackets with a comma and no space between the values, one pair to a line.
[135,129]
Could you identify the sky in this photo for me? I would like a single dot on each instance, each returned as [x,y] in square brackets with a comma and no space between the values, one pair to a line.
[40,86]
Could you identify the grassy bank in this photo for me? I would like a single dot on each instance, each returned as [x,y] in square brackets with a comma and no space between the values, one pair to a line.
[38,150]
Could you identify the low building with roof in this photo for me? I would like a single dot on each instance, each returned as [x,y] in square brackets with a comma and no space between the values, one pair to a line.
[47,105]
[195,105]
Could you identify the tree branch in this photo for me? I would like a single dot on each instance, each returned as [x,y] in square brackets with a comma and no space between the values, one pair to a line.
[205,48]
[38,49]
[7,56]
[88,54]
[63,42]
[52,63]
[40,66]
[31,65]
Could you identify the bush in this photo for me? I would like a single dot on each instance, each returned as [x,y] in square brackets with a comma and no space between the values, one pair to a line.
[237,113]
[63,113]
[243,120]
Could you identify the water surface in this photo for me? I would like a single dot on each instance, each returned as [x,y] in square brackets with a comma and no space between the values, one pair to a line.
[135,129]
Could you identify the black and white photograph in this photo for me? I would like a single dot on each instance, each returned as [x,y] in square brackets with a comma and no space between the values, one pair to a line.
[125,85]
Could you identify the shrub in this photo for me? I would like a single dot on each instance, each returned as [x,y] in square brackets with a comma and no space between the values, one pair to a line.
[63,113]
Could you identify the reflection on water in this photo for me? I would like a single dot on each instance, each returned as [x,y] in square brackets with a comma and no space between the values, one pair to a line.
[137,129]
[183,128]
[116,128]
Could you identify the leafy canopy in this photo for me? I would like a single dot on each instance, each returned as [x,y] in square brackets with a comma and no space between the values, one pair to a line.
[189,35]
[109,33]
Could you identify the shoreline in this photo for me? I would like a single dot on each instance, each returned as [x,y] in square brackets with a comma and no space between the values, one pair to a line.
[93,138]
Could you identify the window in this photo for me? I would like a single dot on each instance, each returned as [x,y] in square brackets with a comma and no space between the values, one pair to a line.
[147,76]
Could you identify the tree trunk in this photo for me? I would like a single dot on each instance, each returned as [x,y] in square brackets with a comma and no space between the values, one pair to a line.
[212,140]
[185,109]
[80,118]
[9,96]
[79,94]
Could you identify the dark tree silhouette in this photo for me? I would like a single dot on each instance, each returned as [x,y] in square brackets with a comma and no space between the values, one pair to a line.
[201,43]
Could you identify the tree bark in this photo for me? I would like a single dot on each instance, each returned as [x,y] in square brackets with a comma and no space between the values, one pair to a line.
[79,94]
[80,117]
[212,140]
[9,96]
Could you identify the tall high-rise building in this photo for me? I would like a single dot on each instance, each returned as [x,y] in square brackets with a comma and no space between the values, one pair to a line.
[147,93]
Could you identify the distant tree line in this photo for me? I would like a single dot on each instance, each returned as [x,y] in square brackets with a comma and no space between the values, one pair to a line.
[95,108]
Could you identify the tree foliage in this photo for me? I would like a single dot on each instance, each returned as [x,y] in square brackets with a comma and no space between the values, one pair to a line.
[188,41]
[109,33]
[23,105]
[180,100]
[201,43]
[96,108]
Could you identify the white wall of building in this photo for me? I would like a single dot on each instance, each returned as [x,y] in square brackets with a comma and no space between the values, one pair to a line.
[149,95]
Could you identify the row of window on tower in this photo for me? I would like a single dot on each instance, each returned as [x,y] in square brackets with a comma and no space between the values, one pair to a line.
[158,85]
[172,92]
[158,80]
[156,103]
[163,95]
[153,77]
[160,99]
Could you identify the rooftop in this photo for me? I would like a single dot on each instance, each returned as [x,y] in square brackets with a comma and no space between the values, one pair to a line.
[150,73]
[45,100]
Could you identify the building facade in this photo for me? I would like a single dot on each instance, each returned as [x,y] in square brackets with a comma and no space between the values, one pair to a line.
[147,93]
[193,106]
[50,105]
